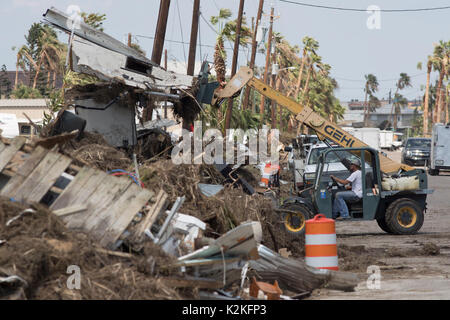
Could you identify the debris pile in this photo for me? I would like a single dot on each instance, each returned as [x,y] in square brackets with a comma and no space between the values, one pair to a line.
[94,151]
[38,249]
[187,234]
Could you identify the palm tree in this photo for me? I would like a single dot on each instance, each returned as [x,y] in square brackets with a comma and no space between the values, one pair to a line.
[403,82]
[370,88]
[226,30]
[310,45]
[22,53]
[440,63]
[50,50]
[220,55]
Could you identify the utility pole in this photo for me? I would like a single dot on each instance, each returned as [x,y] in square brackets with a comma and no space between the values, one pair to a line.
[235,60]
[253,55]
[129,39]
[160,32]
[269,46]
[193,43]
[272,84]
[165,66]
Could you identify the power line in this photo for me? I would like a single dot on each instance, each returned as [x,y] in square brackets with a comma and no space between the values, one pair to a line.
[363,10]
[183,43]
[181,29]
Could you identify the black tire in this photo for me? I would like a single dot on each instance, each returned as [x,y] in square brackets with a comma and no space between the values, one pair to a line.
[404,216]
[383,225]
[295,222]
[432,172]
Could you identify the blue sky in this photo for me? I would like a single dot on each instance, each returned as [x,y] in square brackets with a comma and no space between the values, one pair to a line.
[346,43]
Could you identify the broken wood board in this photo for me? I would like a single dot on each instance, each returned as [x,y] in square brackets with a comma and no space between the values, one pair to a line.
[156,209]
[70,210]
[42,178]
[8,153]
[105,196]
[69,196]
[241,241]
[23,172]
[50,142]
[122,213]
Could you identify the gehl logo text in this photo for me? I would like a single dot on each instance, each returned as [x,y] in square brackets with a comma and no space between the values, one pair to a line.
[339,136]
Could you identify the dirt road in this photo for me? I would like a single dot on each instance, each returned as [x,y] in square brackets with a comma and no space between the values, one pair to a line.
[410,266]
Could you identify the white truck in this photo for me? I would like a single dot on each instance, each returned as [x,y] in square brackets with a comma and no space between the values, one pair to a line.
[370,136]
[440,149]
[390,140]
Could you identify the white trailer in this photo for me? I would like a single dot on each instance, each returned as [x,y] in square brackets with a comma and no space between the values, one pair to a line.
[440,149]
[370,136]
[386,139]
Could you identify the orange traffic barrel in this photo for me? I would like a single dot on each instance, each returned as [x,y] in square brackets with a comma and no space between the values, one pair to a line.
[320,243]
[267,177]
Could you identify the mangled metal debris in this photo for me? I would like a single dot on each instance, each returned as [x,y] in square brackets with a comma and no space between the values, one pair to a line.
[118,62]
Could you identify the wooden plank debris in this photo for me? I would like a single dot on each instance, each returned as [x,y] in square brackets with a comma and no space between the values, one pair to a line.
[98,221]
[8,153]
[93,201]
[156,210]
[68,197]
[122,213]
[89,188]
[41,179]
[50,142]
[70,210]
[23,172]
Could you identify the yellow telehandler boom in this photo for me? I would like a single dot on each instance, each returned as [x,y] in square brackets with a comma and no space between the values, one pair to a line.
[303,114]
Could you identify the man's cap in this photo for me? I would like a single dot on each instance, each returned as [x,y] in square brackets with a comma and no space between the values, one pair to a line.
[356,162]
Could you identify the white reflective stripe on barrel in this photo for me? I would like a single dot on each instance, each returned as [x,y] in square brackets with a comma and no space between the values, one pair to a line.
[312,239]
[322,262]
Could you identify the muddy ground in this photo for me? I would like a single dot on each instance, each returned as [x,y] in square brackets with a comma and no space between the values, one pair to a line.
[412,267]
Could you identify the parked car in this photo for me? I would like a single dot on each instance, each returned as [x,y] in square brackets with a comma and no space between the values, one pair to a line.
[440,149]
[416,151]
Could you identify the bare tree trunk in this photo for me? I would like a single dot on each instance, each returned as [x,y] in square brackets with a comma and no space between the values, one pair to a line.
[37,71]
[280,108]
[437,114]
[365,108]
[308,76]
[427,95]
[300,73]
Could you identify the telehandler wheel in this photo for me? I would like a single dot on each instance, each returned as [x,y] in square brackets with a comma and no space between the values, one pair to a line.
[404,216]
[382,224]
[295,221]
